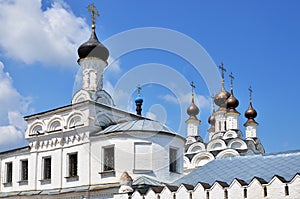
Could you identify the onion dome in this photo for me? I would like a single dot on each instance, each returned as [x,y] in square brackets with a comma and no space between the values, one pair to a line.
[211,119]
[250,113]
[221,97]
[232,103]
[138,99]
[93,48]
[192,110]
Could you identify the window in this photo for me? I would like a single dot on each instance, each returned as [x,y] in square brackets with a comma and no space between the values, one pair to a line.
[47,168]
[245,193]
[173,167]
[207,195]
[286,189]
[265,192]
[142,157]
[24,170]
[225,194]
[108,159]
[8,167]
[73,164]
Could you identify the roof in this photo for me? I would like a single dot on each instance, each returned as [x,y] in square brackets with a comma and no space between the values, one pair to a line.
[137,125]
[79,104]
[21,149]
[143,180]
[245,168]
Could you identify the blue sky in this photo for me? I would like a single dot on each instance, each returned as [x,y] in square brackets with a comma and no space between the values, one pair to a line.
[257,40]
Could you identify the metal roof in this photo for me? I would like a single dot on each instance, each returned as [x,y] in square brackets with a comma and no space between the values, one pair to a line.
[137,125]
[286,165]
[143,180]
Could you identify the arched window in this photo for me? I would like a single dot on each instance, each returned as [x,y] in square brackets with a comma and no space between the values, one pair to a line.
[37,129]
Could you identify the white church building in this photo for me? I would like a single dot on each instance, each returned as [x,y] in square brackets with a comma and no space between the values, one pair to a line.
[92,149]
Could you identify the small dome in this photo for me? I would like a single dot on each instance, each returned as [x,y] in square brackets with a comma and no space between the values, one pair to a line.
[138,100]
[192,110]
[93,48]
[221,97]
[211,119]
[250,113]
[232,102]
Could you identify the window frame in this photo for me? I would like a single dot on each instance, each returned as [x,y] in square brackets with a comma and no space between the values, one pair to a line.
[70,169]
[47,173]
[173,164]
[24,170]
[8,173]
[105,168]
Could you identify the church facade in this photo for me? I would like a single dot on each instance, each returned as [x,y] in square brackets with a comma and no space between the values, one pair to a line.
[92,149]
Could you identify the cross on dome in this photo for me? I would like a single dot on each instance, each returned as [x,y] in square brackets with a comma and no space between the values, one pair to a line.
[223,70]
[231,81]
[193,88]
[139,89]
[94,13]
[250,93]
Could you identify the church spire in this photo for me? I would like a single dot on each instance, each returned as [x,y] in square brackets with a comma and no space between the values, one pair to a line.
[221,97]
[232,102]
[92,57]
[193,110]
[250,114]
[139,101]
[192,122]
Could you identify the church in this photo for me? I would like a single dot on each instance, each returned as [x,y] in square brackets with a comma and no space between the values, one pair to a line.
[92,149]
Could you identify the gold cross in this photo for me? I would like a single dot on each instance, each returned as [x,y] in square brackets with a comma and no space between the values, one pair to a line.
[223,69]
[250,93]
[231,80]
[193,86]
[94,13]
[139,90]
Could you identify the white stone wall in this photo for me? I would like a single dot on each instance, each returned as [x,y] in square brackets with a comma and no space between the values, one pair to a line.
[90,160]
[255,190]
[294,187]
[124,155]
[236,190]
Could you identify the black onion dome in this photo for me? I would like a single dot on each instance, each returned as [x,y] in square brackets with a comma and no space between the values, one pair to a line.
[221,97]
[232,102]
[93,48]
[192,110]
[250,113]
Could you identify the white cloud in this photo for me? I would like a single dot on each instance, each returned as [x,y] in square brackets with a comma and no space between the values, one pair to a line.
[13,106]
[151,115]
[11,137]
[32,35]
[113,67]
[185,99]
[122,98]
